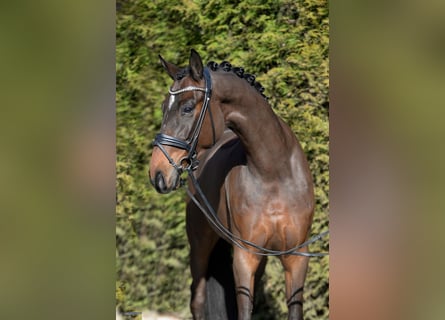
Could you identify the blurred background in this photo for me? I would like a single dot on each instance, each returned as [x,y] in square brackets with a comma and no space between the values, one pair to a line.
[58,159]
[387,137]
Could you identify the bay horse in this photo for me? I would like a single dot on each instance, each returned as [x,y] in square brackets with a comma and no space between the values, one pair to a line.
[250,168]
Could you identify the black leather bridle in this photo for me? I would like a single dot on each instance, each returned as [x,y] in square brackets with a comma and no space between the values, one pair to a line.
[190,161]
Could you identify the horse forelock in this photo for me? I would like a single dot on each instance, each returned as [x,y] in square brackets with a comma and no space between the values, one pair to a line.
[182,73]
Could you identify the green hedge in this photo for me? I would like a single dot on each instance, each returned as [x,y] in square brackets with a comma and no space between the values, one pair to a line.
[284,43]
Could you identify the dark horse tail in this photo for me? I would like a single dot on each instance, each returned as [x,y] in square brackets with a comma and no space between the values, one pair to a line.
[220,295]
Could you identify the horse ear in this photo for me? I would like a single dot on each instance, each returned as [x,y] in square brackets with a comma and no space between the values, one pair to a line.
[171,69]
[196,68]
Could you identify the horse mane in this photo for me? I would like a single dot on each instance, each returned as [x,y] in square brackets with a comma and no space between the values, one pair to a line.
[239,71]
[227,67]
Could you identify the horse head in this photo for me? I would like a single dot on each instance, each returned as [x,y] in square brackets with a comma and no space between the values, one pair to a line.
[190,123]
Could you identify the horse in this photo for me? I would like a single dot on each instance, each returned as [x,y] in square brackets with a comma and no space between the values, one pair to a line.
[246,163]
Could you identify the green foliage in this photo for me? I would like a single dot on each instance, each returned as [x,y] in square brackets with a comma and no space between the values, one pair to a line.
[285,43]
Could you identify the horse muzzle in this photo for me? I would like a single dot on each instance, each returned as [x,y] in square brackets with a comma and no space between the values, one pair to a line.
[164,176]
[165,184]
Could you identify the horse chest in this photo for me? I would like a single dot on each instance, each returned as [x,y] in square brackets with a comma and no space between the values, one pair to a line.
[256,203]
[274,208]
[263,202]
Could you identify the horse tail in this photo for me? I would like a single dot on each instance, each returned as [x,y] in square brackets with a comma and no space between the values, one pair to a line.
[220,295]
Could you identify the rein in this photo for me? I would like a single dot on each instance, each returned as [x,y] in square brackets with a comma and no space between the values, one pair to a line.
[211,216]
[190,164]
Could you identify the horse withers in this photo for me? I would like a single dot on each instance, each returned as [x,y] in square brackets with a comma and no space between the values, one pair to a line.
[250,168]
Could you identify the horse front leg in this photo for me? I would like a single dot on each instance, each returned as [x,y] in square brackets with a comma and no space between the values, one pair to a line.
[198,267]
[201,246]
[295,268]
[245,265]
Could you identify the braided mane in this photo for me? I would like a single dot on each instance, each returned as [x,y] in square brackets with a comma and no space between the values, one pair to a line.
[239,71]
[227,67]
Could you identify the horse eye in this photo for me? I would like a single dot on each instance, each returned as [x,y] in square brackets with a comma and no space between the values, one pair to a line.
[188,108]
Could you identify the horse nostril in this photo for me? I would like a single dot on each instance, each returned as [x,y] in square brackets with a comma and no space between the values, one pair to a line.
[160,183]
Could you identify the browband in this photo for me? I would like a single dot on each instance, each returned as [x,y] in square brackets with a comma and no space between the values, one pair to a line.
[189,88]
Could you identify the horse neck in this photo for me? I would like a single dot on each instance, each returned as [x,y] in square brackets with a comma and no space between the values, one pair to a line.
[268,141]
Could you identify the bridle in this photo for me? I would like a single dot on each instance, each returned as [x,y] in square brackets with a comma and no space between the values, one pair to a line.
[190,163]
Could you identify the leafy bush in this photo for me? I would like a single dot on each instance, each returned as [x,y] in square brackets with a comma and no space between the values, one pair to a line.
[285,43]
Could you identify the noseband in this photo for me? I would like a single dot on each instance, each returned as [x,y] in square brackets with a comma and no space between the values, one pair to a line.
[190,161]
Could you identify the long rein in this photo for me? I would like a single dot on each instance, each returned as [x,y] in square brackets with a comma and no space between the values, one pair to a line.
[212,217]
[206,208]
